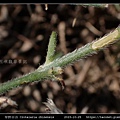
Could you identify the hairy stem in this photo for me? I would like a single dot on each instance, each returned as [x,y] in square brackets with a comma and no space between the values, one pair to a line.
[50,70]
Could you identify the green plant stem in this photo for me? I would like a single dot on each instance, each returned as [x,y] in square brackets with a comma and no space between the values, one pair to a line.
[31,77]
[48,71]
[93,5]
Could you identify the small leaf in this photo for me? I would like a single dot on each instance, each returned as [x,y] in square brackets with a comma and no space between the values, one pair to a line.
[51,48]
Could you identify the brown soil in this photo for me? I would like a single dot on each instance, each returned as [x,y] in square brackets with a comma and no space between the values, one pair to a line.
[92,84]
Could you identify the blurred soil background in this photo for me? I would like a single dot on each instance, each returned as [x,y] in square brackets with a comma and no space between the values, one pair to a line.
[92,84]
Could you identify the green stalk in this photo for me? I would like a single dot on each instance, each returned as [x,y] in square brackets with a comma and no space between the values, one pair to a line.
[53,68]
[31,77]
[93,5]
[97,5]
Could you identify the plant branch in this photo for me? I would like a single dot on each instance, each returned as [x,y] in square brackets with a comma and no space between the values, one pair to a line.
[53,68]
[93,5]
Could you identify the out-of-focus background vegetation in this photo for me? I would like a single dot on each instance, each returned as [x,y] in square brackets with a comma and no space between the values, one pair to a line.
[92,84]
